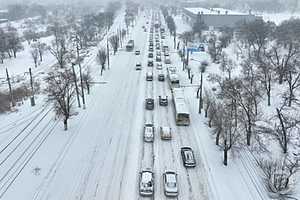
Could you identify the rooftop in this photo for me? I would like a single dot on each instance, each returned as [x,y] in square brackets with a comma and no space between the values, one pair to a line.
[214,11]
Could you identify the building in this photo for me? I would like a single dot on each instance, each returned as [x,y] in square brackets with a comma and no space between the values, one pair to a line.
[217,17]
[3,16]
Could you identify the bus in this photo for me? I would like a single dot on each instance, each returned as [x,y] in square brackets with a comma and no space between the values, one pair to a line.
[173,78]
[182,115]
[130,45]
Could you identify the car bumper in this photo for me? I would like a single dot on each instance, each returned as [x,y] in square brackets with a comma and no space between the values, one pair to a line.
[190,164]
[144,193]
[171,194]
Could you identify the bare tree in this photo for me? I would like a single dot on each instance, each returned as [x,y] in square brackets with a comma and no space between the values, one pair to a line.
[256,34]
[224,128]
[208,100]
[87,79]
[59,50]
[265,72]
[187,36]
[285,50]
[14,43]
[214,49]
[30,35]
[227,64]
[61,91]
[41,49]
[3,44]
[101,57]
[278,175]
[293,82]
[115,42]
[34,54]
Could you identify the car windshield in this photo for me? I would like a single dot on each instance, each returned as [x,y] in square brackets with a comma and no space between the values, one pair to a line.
[189,156]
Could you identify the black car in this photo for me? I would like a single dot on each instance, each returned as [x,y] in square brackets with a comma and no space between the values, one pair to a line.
[150,63]
[188,157]
[150,55]
[163,101]
[149,104]
[161,77]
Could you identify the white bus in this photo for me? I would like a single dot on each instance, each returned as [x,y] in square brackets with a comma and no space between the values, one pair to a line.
[182,115]
[174,81]
[173,78]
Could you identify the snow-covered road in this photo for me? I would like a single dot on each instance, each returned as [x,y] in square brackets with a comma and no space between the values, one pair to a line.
[102,153]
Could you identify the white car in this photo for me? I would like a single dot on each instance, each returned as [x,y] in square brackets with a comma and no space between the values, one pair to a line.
[146,183]
[159,66]
[138,66]
[165,133]
[149,132]
[149,76]
[170,184]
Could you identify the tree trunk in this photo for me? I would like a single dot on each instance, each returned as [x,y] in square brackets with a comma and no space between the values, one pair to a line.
[102,67]
[249,134]
[206,110]
[41,57]
[218,138]
[65,124]
[283,129]
[225,153]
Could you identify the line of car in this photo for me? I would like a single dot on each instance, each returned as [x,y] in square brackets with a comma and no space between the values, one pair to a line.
[170,180]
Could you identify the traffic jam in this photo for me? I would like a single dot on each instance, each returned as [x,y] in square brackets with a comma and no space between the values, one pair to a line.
[159,68]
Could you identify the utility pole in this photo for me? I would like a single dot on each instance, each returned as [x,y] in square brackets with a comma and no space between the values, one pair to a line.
[200,96]
[80,71]
[10,90]
[76,86]
[107,48]
[32,101]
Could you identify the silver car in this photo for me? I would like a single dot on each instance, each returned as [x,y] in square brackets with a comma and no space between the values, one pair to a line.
[149,133]
[170,184]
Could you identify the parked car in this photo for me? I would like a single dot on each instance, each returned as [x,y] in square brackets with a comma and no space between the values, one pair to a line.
[149,76]
[163,101]
[165,133]
[166,53]
[149,104]
[137,52]
[150,55]
[148,133]
[138,66]
[170,184]
[161,77]
[150,63]
[188,157]
[146,183]
[158,53]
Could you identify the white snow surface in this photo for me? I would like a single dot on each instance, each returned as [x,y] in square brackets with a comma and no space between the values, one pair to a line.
[102,153]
